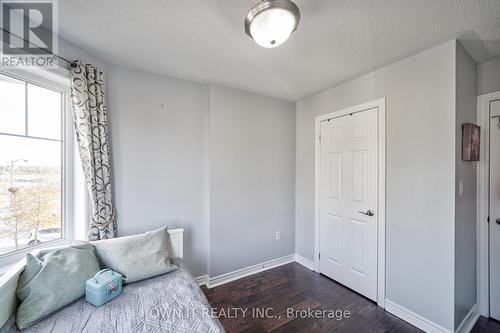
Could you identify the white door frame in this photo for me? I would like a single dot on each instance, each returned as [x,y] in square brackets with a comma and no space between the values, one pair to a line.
[380,105]
[482,227]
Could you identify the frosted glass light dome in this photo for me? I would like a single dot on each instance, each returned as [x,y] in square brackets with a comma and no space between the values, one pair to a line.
[272,27]
[271,22]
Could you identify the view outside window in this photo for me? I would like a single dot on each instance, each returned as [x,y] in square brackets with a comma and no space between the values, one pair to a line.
[30,164]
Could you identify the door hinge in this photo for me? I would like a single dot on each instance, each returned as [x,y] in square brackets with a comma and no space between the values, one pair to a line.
[319,255]
[488,219]
[319,138]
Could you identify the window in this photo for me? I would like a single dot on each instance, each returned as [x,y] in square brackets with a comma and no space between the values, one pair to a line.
[32,163]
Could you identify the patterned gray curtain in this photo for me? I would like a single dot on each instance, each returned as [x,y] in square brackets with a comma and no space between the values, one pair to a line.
[89,118]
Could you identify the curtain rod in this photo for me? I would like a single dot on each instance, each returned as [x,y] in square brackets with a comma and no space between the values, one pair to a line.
[72,63]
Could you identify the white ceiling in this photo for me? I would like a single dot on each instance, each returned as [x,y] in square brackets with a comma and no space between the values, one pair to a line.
[204,40]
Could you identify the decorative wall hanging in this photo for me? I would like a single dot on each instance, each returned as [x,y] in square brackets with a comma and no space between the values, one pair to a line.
[471,142]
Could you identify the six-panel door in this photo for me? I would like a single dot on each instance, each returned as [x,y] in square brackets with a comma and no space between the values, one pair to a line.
[348,195]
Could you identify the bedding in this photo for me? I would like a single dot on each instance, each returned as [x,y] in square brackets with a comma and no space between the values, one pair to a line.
[171,302]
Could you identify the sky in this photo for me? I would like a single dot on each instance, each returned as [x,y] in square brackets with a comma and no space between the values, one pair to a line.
[39,117]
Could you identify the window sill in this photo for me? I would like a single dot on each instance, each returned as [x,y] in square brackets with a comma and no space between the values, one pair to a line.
[8,260]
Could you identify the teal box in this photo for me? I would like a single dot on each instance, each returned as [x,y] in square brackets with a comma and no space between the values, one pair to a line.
[103,287]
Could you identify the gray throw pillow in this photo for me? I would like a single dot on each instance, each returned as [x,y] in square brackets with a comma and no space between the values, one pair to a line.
[53,279]
[136,257]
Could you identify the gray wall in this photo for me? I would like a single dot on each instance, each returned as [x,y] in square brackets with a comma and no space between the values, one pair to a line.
[216,161]
[465,205]
[159,136]
[252,157]
[71,52]
[420,93]
[488,77]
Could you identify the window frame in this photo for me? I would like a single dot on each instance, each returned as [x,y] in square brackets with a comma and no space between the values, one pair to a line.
[56,80]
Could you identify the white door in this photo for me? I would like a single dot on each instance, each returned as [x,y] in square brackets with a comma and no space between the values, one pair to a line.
[494,211]
[348,201]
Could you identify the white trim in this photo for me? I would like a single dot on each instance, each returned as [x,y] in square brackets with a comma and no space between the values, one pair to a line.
[55,80]
[380,105]
[243,272]
[58,79]
[317,164]
[202,280]
[305,262]
[68,179]
[483,118]
[381,203]
[9,260]
[469,321]
[414,319]
[8,287]
[240,273]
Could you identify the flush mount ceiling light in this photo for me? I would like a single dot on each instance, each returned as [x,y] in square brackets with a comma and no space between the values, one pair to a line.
[271,22]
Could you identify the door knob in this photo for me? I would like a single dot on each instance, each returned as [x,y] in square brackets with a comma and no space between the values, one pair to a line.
[497,220]
[370,212]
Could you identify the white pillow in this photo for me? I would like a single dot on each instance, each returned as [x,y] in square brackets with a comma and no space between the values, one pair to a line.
[136,257]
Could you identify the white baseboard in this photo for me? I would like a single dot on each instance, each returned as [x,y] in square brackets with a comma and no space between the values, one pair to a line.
[305,262]
[202,280]
[215,281]
[414,319]
[469,320]
[240,273]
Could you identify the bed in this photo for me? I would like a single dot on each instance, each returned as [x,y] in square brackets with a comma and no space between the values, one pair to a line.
[171,302]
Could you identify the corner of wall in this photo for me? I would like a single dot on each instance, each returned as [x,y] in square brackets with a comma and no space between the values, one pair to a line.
[295,176]
[465,203]
[208,184]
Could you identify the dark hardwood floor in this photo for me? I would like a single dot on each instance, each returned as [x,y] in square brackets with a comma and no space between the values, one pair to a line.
[288,293]
[486,325]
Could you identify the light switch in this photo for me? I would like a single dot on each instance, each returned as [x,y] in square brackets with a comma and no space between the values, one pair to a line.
[460,188]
